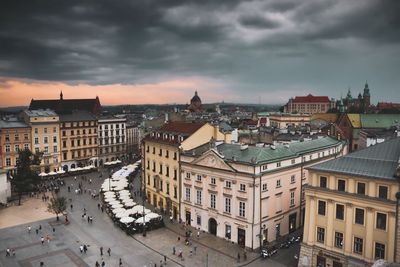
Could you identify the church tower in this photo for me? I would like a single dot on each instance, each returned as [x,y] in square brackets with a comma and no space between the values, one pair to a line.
[366,97]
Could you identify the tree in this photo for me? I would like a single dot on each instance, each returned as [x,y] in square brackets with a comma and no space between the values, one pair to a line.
[25,178]
[57,205]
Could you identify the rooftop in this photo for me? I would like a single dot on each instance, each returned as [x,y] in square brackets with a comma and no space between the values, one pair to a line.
[76,115]
[179,127]
[310,98]
[378,161]
[40,113]
[260,155]
[8,124]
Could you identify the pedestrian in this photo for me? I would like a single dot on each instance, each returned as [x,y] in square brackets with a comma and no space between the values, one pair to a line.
[120,262]
[109,252]
[165,260]
[48,239]
[238,257]
[198,234]
[40,227]
[195,248]
[103,264]
[98,205]
[54,230]
[13,252]
[37,231]
[84,248]
[29,229]
[101,251]
[72,207]
[69,189]
[42,240]
[102,208]
[8,252]
[88,219]
[81,249]
[97,264]
[173,250]
[190,253]
[41,264]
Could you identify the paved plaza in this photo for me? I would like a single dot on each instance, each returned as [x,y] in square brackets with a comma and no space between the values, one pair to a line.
[65,240]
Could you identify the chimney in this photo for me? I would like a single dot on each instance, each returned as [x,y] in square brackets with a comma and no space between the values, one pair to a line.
[166,118]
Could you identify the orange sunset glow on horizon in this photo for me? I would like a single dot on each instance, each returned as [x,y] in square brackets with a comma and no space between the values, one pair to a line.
[16,92]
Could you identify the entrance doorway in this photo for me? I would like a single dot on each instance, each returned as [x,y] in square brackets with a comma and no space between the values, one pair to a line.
[175,213]
[188,217]
[212,226]
[241,237]
[154,200]
[321,261]
[292,222]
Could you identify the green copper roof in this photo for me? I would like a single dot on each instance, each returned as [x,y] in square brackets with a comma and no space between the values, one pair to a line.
[378,161]
[261,155]
[379,120]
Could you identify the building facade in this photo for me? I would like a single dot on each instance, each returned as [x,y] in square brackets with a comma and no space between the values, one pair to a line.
[309,104]
[14,136]
[351,209]
[133,139]
[161,150]
[283,121]
[112,139]
[45,132]
[79,145]
[249,195]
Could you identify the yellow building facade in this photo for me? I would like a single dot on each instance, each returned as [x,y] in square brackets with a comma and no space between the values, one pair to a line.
[351,208]
[45,132]
[161,173]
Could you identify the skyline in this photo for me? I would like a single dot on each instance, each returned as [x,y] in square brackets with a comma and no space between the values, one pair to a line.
[233,51]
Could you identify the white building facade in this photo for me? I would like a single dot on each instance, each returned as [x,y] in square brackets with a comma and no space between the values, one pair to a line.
[249,195]
[112,139]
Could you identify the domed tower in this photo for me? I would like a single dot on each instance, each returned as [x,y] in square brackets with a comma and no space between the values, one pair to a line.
[195,103]
[366,97]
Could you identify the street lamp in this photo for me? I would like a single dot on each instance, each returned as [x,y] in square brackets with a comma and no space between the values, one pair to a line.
[109,183]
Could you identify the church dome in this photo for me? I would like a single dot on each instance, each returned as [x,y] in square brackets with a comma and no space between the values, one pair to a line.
[195,98]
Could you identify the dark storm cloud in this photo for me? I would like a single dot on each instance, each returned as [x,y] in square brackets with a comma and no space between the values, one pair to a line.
[261,46]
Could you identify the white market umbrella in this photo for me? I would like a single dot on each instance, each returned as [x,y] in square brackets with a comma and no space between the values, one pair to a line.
[118,210]
[120,214]
[43,174]
[52,173]
[126,219]
[129,204]
[141,219]
[116,205]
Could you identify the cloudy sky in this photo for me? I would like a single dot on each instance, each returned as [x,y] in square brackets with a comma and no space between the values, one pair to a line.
[153,51]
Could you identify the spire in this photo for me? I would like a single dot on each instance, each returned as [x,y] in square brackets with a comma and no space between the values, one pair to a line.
[366,85]
[61,95]
[195,93]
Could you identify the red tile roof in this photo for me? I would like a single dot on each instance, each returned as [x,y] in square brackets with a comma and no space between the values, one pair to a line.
[310,99]
[181,127]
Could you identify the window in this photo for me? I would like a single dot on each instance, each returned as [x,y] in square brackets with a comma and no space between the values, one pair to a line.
[167,171]
[361,188]
[187,194]
[242,209]
[383,192]
[358,245]
[198,197]
[16,148]
[154,150]
[339,212]
[63,133]
[46,149]
[338,240]
[160,154]
[36,140]
[26,146]
[264,187]
[36,130]
[64,143]
[154,166]
[175,155]
[227,231]
[341,186]
[55,149]
[213,201]
[188,175]
[379,251]
[213,180]
[359,216]
[7,138]
[293,179]
[381,221]
[198,220]
[278,183]
[242,188]
[36,150]
[175,192]
[227,205]
[45,130]
[292,195]
[321,207]
[320,234]
[323,182]
[65,156]
[8,162]
[72,132]
[175,174]
[228,184]
[198,177]
[8,148]
[278,164]
[54,129]
[166,153]
[16,137]
[160,168]
[26,136]
[161,185]
[54,139]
